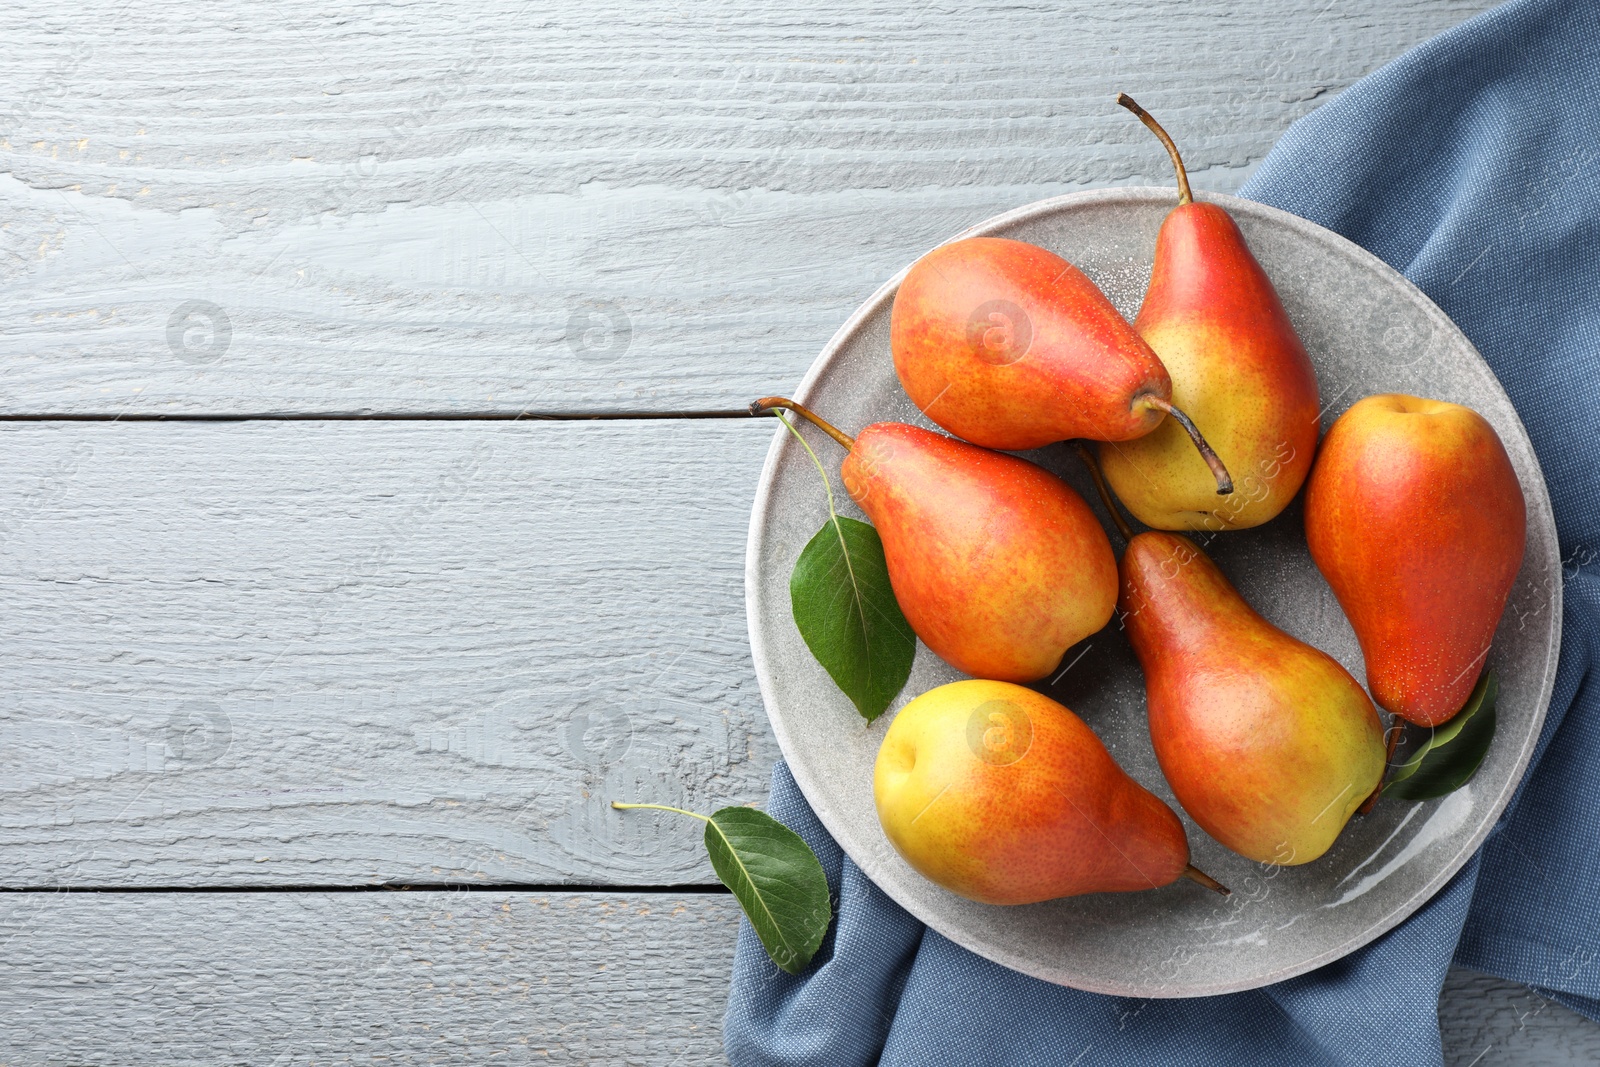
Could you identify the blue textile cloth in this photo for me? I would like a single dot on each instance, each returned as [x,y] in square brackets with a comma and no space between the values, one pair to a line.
[1469,164]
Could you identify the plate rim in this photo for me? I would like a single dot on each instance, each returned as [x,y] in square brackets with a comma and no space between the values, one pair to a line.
[1541,524]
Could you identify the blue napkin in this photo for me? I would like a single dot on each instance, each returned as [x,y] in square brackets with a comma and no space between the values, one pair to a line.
[1469,164]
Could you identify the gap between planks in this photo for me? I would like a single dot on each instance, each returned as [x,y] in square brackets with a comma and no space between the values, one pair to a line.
[409,887]
[386,416]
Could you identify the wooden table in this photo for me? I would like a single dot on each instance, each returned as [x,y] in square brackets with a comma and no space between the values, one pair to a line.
[326,573]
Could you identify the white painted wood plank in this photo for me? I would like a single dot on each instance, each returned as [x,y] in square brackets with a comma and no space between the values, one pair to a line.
[296,979]
[502,206]
[1489,1022]
[428,977]
[301,653]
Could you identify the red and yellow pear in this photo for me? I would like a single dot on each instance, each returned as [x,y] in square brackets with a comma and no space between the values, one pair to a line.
[1009,346]
[1416,518]
[998,565]
[1237,368]
[1004,796]
[1268,743]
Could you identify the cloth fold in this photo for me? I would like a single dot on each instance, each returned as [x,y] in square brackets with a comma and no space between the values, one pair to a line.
[1467,164]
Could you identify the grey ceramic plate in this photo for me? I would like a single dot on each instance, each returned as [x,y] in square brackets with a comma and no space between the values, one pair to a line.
[1369,331]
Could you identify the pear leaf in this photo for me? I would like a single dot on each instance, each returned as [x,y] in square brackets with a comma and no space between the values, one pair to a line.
[777,880]
[845,609]
[1450,756]
[774,876]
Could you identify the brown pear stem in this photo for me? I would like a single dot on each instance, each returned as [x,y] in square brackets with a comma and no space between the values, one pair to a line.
[1214,461]
[1184,197]
[1396,728]
[1195,874]
[1104,490]
[769,403]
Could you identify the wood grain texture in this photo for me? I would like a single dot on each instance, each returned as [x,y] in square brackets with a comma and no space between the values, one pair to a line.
[433,977]
[503,206]
[297,653]
[1489,1022]
[409,978]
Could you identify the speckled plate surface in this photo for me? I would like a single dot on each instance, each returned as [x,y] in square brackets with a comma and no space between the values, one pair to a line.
[1368,331]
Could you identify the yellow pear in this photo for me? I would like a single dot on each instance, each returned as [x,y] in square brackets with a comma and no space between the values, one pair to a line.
[1004,796]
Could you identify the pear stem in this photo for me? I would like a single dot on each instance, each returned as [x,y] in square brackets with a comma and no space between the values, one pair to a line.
[1214,461]
[1195,874]
[770,403]
[1184,196]
[1104,490]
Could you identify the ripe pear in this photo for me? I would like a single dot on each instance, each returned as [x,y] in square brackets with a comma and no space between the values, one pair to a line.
[1269,744]
[1009,346]
[1238,369]
[998,565]
[1004,796]
[1416,518]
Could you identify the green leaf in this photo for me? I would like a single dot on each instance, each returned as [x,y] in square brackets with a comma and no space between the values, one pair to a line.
[774,876]
[1450,756]
[777,880]
[847,613]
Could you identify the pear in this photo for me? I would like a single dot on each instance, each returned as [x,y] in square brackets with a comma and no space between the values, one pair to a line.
[1004,796]
[1416,518]
[1237,367]
[998,565]
[1009,346]
[1269,744]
